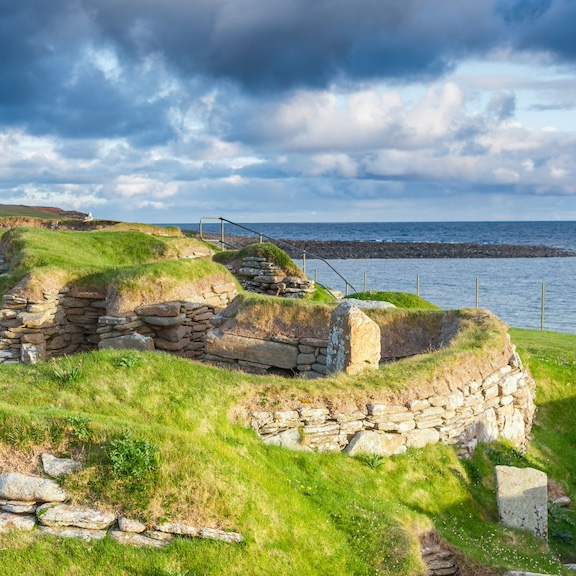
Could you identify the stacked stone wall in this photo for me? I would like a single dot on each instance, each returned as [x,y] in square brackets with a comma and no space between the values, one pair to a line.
[305,357]
[499,406]
[257,274]
[67,321]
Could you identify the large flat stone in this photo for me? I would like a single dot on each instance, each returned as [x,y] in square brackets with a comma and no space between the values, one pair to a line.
[369,442]
[58,467]
[237,347]
[58,515]
[139,540]
[174,333]
[15,486]
[71,532]
[133,341]
[522,496]
[164,321]
[167,309]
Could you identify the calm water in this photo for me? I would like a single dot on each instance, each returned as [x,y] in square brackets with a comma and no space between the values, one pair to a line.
[511,288]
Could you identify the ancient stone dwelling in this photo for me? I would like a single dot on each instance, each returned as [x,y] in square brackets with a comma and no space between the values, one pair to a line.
[491,398]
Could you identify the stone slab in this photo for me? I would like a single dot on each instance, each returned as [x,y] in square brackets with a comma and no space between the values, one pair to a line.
[522,496]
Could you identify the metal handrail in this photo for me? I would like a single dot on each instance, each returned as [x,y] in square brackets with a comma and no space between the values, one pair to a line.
[304,253]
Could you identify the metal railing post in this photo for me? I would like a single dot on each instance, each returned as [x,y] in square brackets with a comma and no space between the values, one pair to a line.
[304,263]
[260,241]
[477,293]
[543,305]
[365,281]
[346,292]
[222,237]
[417,284]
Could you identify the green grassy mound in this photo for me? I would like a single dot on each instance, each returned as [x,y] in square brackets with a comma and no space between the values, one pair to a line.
[399,299]
[52,258]
[301,513]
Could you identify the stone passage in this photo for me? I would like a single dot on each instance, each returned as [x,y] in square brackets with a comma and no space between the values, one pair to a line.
[499,406]
[522,496]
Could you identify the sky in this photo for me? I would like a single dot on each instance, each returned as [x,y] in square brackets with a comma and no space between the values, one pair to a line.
[290,110]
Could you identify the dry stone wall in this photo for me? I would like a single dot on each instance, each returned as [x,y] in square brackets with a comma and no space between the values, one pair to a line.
[66,321]
[35,503]
[257,274]
[295,356]
[499,406]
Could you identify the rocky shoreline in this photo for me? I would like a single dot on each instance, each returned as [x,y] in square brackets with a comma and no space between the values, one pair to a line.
[334,250]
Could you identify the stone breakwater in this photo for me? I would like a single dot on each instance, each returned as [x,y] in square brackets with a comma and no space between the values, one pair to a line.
[394,250]
[499,406]
[334,250]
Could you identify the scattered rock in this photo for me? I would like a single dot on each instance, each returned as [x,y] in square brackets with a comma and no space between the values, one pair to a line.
[15,486]
[58,467]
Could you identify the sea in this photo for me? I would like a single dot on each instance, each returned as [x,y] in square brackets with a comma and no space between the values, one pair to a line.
[524,292]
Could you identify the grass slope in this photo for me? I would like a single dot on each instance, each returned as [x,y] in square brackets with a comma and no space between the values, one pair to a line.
[399,299]
[301,513]
[10,211]
[47,256]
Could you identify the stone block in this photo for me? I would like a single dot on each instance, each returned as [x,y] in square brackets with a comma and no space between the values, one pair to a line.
[236,347]
[420,438]
[353,341]
[10,521]
[522,497]
[369,442]
[168,309]
[60,515]
[133,341]
[164,321]
[15,486]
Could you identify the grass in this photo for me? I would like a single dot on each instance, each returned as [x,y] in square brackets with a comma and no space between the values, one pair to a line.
[49,257]
[11,211]
[399,299]
[301,513]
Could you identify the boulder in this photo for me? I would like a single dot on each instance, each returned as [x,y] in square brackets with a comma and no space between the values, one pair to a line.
[15,486]
[58,467]
[522,497]
[369,442]
[133,341]
[353,341]
[58,515]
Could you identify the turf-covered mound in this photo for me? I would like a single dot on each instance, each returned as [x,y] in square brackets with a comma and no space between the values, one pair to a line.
[40,259]
[398,299]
